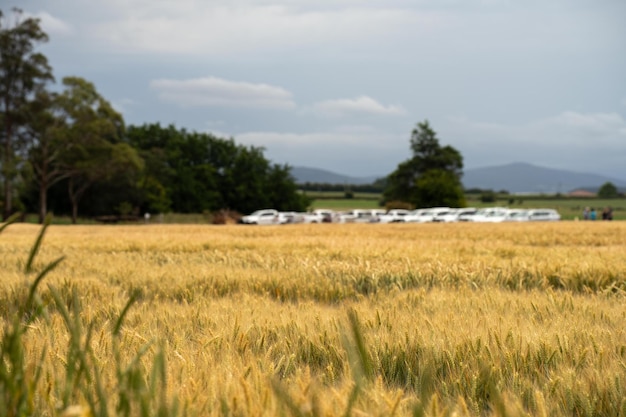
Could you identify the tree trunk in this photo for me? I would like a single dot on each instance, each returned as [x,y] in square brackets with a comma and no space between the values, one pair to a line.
[43,202]
[6,210]
[74,211]
[6,172]
[75,196]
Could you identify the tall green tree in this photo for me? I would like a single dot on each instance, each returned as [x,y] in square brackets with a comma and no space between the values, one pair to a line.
[94,130]
[431,177]
[23,73]
[153,194]
[608,190]
[283,191]
[179,174]
[47,146]
[198,171]
[437,187]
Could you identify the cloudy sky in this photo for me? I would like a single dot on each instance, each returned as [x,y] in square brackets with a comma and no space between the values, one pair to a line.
[340,84]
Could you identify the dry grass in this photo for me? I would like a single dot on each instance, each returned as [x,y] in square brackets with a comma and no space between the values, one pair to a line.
[469,319]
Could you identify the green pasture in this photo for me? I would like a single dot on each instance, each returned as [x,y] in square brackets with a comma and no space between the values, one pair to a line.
[339,195]
[342,204]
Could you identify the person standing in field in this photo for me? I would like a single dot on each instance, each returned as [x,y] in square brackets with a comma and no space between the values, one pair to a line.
[586,213]
[592,214]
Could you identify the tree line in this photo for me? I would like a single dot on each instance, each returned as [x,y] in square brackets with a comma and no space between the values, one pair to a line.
[69,151]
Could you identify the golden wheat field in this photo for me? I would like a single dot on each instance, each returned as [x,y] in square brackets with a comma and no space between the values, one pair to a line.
[315,320]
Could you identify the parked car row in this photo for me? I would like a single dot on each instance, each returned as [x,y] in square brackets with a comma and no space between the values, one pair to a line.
[271,216]
[426,215]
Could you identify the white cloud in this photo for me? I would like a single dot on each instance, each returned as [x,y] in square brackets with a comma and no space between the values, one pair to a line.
[352,152]
[234,27]
[123,105]
[565,129]
[213,91]
[51,24]
[434,58]
[225,28]
[594,142]
[362,104]
[340,137]
[606,126]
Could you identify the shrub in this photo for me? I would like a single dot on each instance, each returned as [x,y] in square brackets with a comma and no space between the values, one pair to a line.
[488,197]
[398,205]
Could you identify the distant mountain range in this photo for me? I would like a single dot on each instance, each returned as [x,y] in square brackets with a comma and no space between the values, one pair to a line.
[515,178]
[523,177]
[321,176]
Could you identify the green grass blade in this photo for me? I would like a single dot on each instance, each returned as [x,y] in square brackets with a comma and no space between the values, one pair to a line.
[37,245]
[10,221]
[354,394]
[120,319]
[363,356]
[40,277]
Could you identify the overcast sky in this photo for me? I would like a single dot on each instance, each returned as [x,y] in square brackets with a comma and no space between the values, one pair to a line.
[340,84]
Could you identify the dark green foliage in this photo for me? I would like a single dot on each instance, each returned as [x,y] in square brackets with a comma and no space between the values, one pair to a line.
[608,190]
[47,145]
[24,72]
[191,172]
[94,129]
[488,197]
[437,187]
[376,187]
[284,193]
[428,154]
[432,177]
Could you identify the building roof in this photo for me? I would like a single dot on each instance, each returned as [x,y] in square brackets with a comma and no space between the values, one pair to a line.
[581,193]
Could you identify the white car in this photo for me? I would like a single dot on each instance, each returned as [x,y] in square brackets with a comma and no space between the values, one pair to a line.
[490,215]
[317,216]
[266,216]
[536,215]
[394,216]
[288,217]
[413,216]
[359,216]
[516,215]
[464,214]
[446,216]
[376,213]
[425,215]
[349,216]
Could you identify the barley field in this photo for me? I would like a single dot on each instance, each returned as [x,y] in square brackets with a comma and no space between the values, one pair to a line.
[314,320]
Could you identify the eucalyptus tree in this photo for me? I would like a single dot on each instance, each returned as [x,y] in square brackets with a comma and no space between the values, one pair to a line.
[94,130]
[47,146]
[23,73]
